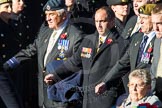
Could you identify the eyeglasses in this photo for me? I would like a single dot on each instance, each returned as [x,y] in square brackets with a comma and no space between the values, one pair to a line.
[138,86]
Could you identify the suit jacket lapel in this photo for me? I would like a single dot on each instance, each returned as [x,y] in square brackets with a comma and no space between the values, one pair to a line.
[150,44]
[106,44]
[157,44]
[136,48]
[109,40]
[45,45]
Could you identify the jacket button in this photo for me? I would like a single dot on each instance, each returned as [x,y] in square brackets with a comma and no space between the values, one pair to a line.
[3,45]
[3,56]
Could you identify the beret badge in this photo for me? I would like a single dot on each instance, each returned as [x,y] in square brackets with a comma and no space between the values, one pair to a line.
[48,7]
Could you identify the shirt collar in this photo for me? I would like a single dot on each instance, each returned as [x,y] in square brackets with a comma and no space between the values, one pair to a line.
[151,34]
[62,26]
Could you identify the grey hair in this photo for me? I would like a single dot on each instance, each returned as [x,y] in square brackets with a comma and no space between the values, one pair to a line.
[61,11]
[142,74]
[149,1]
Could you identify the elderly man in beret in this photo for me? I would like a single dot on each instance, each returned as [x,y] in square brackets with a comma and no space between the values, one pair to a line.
[57,40]
[133,24]
[121,9]
[138,55]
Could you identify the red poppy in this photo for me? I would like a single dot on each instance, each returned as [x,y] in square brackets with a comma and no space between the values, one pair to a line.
[63,36]
[147,105]
[109,41]
[149,50]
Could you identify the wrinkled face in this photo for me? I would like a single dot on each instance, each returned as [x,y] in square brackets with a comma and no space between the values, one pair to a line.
[101,22]
[121,10]
[69,3]
[137,88]
[54,19]
[146,23]
[157,24]
[137,4]
[5,11]
[17,5]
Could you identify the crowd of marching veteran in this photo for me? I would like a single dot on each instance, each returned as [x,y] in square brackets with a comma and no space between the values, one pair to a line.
[81,54]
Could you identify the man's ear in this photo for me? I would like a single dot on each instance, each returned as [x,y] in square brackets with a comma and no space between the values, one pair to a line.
[113,8]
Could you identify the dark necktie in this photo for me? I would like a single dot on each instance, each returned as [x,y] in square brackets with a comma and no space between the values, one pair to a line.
[142,47]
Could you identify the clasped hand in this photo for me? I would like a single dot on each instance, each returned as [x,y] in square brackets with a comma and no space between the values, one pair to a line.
[49,79]
[100,88]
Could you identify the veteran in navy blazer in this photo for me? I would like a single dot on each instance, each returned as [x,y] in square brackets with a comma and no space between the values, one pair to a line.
[67,42]
[96,60]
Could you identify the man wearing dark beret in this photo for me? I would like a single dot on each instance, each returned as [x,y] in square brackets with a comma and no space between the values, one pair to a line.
[57,40]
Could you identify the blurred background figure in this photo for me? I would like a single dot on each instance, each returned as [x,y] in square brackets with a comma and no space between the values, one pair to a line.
[121,9]
[19,30]
[139,91]
[80,16]
[17,6]
[8,93]
[9,39]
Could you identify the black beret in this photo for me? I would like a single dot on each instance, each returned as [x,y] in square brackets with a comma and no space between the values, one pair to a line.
[54,5]
[117,2]
[5,1]
[146,9]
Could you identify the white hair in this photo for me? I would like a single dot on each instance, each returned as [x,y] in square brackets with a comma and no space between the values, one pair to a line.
[60,11]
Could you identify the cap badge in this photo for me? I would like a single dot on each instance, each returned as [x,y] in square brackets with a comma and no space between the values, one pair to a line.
[48,7]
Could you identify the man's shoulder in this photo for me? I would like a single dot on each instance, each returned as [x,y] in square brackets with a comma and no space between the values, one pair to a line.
[92,35]
[131,22]
[137,36]
[129,26]
[132,19]
[73,27]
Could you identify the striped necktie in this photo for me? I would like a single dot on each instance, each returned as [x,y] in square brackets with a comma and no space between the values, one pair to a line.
[141,49]
[101,41]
